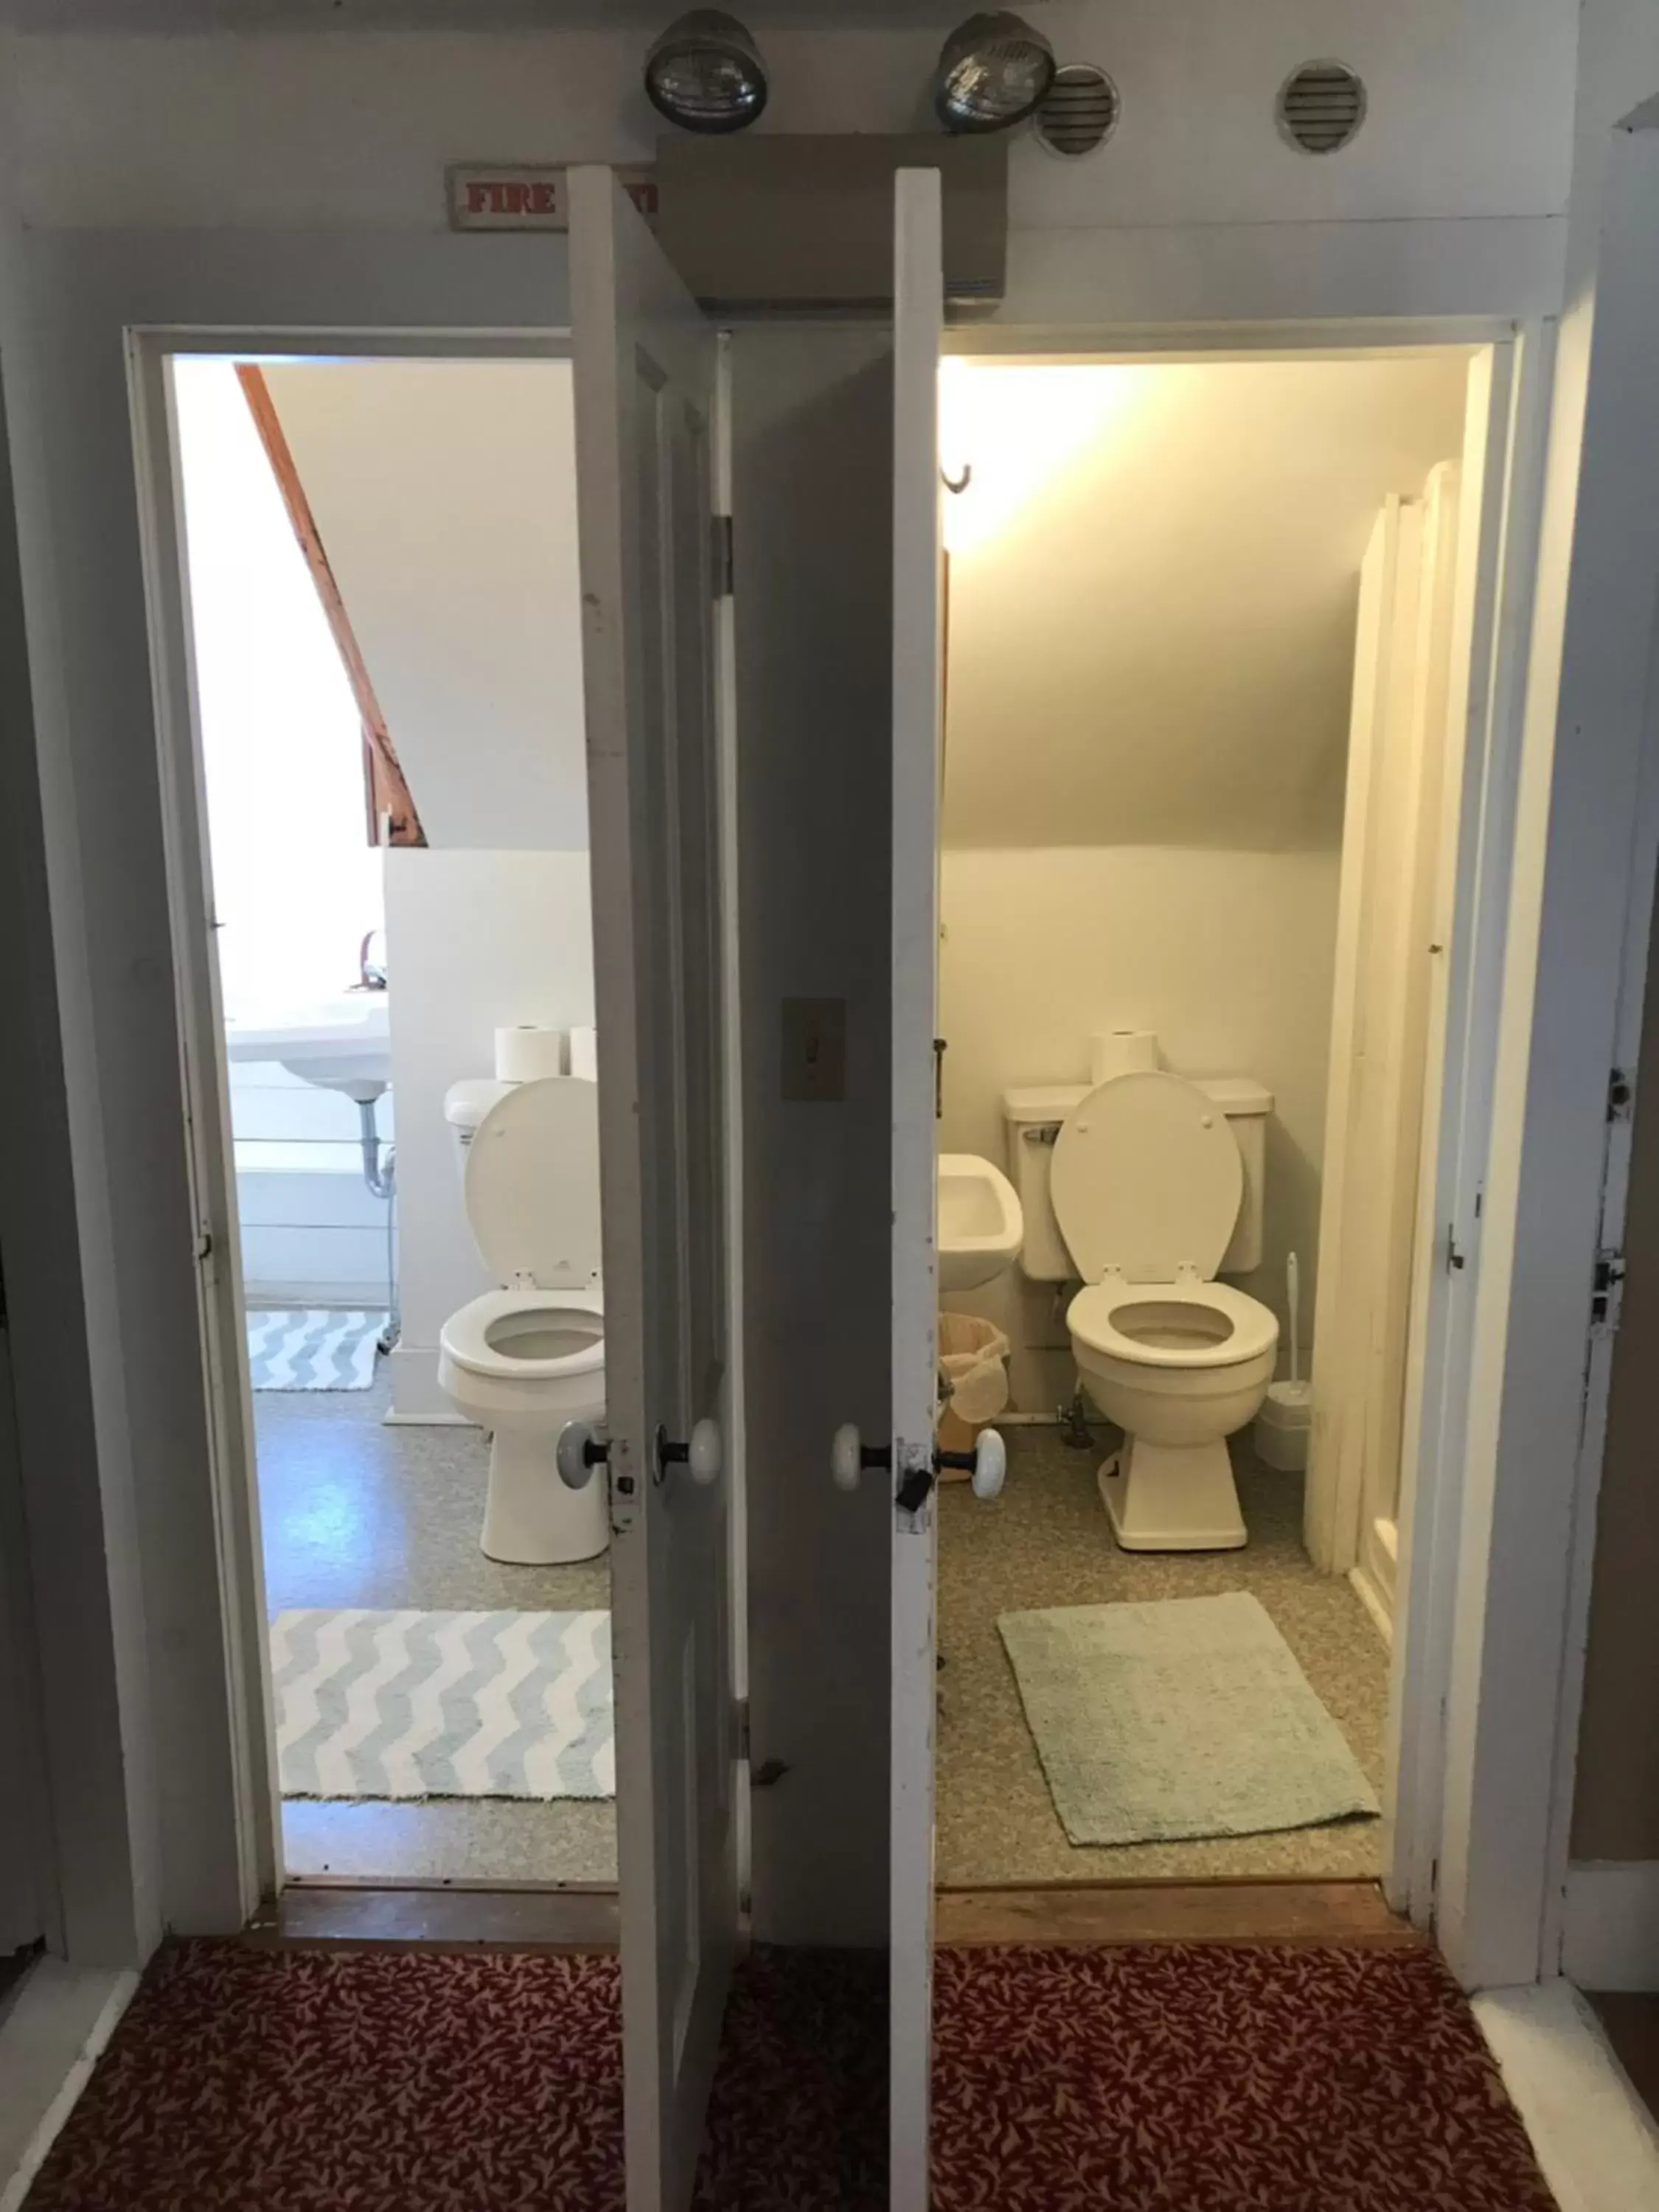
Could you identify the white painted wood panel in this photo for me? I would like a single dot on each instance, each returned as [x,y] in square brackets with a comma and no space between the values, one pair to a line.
[1610,1924]
[645,383]
[918,318]
[1532,1458]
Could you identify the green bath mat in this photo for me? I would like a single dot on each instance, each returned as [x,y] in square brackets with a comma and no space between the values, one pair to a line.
[1186,1717]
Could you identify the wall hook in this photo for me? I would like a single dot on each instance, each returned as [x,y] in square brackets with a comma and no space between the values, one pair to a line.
[958,483]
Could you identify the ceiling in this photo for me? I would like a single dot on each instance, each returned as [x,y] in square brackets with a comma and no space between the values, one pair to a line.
[175,16]
[1154,578]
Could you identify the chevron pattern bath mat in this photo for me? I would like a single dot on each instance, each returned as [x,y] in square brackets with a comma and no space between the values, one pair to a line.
[443,1704]
[322,1349]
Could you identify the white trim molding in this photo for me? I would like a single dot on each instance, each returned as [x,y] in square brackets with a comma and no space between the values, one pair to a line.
[1512,1711]
[163,1818]
[1592,2136]
[51,2039]
[1610,1926]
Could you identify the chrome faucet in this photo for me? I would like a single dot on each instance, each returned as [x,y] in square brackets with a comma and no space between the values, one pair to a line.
[371,974]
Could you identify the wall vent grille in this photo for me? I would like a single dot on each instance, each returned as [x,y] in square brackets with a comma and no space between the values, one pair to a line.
[1321,106]
[1080,112]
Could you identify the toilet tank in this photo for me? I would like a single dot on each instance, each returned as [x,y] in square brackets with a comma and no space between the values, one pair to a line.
[465,1104]
[1031,1119]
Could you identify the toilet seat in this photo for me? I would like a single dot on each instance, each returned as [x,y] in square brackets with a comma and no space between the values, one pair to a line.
[522,1361]
[531,1184]
[1093,1318]
[478,1343]
[1146,1180]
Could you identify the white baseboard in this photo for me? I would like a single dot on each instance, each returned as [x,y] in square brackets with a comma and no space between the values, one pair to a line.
[50,2040]
[1610,1927]
[332,1297]
[418,1399]
[1371,1598]
[1591,2134]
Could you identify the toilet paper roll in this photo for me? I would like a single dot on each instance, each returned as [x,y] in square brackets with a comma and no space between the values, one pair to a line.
[527,1052]
[1121,1052]
[584,1054]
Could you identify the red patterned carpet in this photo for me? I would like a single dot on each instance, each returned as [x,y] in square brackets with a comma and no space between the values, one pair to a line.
[1141,2079]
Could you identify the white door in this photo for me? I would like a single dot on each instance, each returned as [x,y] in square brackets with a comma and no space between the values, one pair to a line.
[918,317]
[21,1773]
[645,385]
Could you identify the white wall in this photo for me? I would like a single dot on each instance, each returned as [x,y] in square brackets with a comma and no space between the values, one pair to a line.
[1227,955]
[1153,589]
[218,181]
[812,413]
[296,884]
[1470,113]
[445,494]
[483,939]
[1153,580]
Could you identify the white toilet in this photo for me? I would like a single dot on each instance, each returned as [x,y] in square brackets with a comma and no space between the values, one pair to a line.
[1144,1180]
[523,1360]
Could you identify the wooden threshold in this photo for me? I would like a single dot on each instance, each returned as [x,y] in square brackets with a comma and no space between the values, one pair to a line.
[324,1915]
[1230,1911]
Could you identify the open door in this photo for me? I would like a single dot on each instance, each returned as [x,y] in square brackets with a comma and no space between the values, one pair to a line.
[916,1460]
[918,321]
[645,396]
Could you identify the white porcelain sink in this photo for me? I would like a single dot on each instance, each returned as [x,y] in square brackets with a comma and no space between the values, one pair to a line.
[339,1044]
[981,1227]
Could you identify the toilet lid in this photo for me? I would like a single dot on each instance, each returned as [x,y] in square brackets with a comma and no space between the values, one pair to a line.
[1146,1179]
[532,1183]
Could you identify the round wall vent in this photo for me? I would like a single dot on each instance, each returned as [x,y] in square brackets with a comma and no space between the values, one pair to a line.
[1080,112]
[1321,106]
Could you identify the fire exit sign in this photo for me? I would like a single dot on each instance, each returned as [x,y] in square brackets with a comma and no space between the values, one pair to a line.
[510,196]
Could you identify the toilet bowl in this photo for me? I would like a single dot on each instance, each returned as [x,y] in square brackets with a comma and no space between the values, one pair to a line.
[524,1360]
[1146,1182]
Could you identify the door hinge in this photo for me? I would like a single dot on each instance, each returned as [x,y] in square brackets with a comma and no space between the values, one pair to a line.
[1621,1095]
[722,557]
[1606,1292]
[1456,1257]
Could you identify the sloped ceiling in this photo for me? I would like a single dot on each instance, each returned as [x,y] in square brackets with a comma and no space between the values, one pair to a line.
[1153,582]
[444,492]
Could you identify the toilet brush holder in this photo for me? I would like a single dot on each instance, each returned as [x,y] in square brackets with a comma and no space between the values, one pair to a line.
[1282,1426]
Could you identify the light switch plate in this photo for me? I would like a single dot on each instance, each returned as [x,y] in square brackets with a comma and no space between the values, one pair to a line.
[814,1069]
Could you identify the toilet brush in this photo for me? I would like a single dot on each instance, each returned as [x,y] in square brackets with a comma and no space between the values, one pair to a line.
[1293,1299]
[1281,1426]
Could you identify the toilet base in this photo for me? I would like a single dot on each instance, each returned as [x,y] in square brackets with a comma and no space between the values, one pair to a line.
[1172,1497]
[531,1518]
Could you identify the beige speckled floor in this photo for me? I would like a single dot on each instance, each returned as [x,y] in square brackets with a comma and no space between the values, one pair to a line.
[1045,1541]
[356,1513]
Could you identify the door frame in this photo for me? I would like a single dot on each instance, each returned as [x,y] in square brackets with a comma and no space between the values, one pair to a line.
[204,1062]
[1444,1583]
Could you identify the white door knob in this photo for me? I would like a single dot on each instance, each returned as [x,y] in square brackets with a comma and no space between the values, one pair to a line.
[704,1455]
[845,1459]
[990,1463]
[579,1450]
